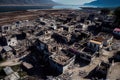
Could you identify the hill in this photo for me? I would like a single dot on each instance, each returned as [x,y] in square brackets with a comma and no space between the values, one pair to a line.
[105,3]
[25,2]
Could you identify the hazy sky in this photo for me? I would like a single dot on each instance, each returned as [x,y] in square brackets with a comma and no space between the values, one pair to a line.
[73,2]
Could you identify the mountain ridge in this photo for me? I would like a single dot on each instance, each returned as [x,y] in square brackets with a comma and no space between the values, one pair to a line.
[105,3]
[28,2]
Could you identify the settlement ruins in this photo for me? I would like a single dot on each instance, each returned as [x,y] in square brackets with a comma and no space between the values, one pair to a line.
[59,45]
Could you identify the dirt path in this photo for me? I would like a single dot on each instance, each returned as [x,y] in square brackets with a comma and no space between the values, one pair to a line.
[12,62]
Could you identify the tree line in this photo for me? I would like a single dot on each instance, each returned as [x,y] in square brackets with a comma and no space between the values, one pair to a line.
[116,13]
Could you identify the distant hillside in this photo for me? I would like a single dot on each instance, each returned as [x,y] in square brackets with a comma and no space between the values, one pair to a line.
[105,3]
[20,2]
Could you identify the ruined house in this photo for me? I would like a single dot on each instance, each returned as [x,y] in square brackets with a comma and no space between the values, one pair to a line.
[5,28]
[87,54]
[108,39]
[3,41]
[11,75]
[57,63]
[12,41]
[100,72]
[100,41]
[96,43]
[8,53]
[63,38]
[19,24]
[40,33]
[115,58]
[91,17]
[91,49]
[20,35]
[79,36]
[83,53]
[40,45]
[107,26]
[61,61]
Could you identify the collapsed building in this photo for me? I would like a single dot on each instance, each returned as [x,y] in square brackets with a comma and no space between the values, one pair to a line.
[3,41]
[5,28]
[100,72]
[115,58]
[11,75]
[52,43]
[107,26]
[88,51]
[96,43]
[58,62]
[62,61]
[12,41]
[63,38]
[7,53]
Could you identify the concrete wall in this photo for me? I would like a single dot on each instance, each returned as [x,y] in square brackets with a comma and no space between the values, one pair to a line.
[70,62]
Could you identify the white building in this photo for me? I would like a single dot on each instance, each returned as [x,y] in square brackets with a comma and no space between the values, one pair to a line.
[12,41]
[5,28]
[96,43]
[84,26]
[11,75]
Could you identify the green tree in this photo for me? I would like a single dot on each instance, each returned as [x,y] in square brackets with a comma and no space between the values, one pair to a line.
[117,15]
[105,11]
